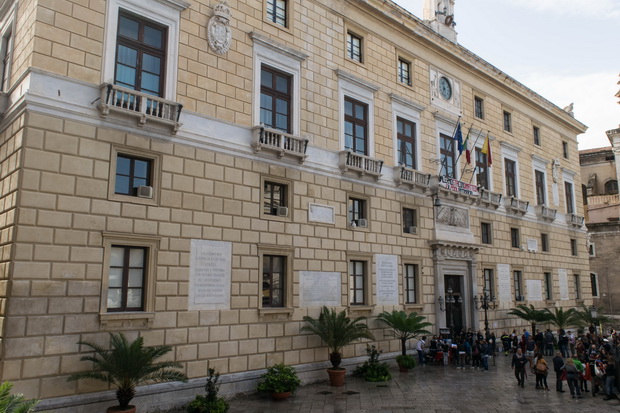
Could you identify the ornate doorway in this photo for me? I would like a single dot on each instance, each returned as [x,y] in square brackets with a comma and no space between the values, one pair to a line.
[454,302]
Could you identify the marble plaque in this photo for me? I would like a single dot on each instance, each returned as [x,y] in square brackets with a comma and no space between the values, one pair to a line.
[563,278]
[534,290]
[532,244]
[504,292]
[387,279]
[319,289]
[321,213]
[209,275]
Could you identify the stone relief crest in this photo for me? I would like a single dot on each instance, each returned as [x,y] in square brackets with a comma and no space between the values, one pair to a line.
[452,216]
[219,32]
[555,170]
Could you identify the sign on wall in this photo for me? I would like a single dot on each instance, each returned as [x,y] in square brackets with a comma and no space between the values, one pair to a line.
[534,290]
[563,277]
[319,289]
[504,292]
[209,275]
[387,279]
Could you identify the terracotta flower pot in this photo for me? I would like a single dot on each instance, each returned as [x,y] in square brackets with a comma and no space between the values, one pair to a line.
[117,409]
[281,396]
[336,377]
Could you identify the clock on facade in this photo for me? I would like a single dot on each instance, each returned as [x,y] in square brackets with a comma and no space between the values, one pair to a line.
[445,89]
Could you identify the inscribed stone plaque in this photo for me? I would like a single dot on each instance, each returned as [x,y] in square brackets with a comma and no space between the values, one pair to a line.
[532,244]
[387,279]
[321,213]
[534,290]
[555,194]
[503,282]
[209,275]
[563,278]
[319,289]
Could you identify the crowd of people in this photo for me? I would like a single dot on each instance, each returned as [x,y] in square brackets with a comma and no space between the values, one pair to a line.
[585,362]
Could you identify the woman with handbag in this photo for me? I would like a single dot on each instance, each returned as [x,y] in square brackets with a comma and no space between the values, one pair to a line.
[542,369]
[572,375]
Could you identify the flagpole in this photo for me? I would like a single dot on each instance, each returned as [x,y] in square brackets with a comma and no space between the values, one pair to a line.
[476,167]
[473,147]
[461,153]
[453,132]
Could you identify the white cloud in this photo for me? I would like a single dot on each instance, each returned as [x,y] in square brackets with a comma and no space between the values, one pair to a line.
[600,9]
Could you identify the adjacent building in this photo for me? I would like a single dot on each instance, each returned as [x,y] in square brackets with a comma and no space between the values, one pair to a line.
[204,174]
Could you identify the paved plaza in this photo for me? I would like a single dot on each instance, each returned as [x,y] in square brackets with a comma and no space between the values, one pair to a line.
[431,389]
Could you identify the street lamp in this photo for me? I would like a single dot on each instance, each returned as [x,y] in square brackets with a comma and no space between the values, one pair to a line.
[486,303]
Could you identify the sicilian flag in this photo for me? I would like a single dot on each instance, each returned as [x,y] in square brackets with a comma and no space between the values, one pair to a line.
[466,145]
[486,149]
[458,137]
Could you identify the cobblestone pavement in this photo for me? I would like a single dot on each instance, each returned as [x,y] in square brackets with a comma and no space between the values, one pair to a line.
[431,389]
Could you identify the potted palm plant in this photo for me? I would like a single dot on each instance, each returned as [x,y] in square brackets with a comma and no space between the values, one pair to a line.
[337,331]
[279,380]
[404,327]
[127,365]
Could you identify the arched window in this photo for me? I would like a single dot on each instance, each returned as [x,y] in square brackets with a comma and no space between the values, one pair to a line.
[611,187]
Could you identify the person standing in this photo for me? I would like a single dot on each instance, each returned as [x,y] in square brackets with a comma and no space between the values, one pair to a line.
[420,348]
[519,361]
[542,369]
[549,343]
[563,343]
[610,378]
[572,342]
[572,376]
[558,363]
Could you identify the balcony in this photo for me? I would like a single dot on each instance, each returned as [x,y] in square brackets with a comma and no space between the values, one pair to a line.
[362,164]
[411,177]
[516,205]
[574,220]
[140,105]
[279,142]
[490,198]
[546,213]
[460,190]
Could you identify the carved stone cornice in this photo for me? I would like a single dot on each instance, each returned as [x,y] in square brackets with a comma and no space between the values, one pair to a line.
[454,250]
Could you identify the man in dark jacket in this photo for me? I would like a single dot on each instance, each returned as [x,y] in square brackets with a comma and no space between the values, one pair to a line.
[558,362]
[519,361]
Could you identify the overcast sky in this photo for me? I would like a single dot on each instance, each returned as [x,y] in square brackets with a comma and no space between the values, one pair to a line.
[565,50]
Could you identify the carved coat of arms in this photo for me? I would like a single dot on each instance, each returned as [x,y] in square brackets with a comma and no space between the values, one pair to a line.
[219,32]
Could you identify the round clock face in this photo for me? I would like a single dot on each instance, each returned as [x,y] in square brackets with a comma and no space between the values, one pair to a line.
[445,90]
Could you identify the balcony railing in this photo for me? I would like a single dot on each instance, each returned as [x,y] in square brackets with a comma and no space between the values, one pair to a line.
[574,220]
[516,205]
[362,164]
[546,213]
[143,106]
[490,198]
[411,177]
[279,142]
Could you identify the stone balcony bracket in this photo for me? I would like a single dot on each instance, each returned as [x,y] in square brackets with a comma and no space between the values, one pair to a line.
[516,205]
[362,164]
[280,143]
[408,176]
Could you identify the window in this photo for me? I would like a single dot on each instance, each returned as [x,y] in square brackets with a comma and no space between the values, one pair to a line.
[276,11]
[515,241]
[507,121]
[274,271]
[6,52]
[565,149]
[489,285]
[536,134]
[411,276]
[354,47]
[482,169]
[592,250]
[447,157]
[518,284]
[548,286]
[573,247]
[540,187]
[577,287]
[510,172]
[611,187]
[126,281]
[568,192]
[275,198]
[140,54]
[357,213]
[410,221]
[406,143]
[404,72]
[131,173]
[356,126]
[275,99]
[478,107]
[357,284]
[485,233]
[594,285]
[544,241]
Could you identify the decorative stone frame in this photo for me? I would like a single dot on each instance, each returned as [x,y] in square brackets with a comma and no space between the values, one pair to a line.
[289,301]
[369,282]
[289,198]
[410,111]
[134,319]
[366,199]
[155,175]
[290,13]
[418,306]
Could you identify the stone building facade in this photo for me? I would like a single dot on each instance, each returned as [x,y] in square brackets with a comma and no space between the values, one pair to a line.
[600,176]
[204,174]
